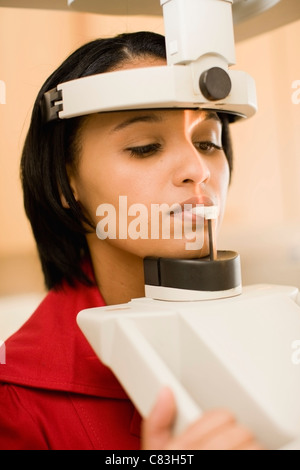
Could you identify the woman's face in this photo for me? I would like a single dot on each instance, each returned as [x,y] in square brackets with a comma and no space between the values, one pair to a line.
[134,167]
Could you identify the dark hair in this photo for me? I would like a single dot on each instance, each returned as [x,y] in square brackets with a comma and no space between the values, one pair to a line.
[60,233]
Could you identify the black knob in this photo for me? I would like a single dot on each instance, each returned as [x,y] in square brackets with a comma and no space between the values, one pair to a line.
[215,84]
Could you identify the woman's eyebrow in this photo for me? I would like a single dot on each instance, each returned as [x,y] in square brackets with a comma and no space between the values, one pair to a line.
[212,115]
[204,117]
[133,120]
[153,118]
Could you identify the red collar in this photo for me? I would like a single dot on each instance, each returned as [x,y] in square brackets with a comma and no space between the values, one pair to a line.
[50,352]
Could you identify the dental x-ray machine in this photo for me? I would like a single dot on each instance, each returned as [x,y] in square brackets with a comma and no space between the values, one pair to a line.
[197,330]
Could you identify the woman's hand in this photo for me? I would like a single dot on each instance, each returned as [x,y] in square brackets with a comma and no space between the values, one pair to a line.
[215,430]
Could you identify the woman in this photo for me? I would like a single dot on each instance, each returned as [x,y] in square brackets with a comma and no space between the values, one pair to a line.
[54,392]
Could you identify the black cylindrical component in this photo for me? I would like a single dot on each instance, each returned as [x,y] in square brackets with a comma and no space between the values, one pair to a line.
[200,274]
[215,84]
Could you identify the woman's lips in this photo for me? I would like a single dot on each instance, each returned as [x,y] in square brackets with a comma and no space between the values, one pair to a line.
[200,200]
[200,206]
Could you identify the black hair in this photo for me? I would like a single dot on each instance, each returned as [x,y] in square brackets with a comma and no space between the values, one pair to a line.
[60,233]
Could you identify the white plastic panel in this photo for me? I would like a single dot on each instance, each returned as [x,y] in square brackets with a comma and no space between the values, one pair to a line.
[234,353]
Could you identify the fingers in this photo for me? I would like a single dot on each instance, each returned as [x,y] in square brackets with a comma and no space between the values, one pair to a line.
[215,430]
[253,446]
[207,426]
[218,430]
[157,428]
[202,433]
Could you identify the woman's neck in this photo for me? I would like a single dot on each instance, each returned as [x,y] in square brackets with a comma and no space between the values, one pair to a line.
[119,274]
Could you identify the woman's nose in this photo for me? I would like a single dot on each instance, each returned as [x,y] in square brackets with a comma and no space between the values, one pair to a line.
[191,166]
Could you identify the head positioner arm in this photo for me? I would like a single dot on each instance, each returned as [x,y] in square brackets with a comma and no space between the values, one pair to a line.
[200,50]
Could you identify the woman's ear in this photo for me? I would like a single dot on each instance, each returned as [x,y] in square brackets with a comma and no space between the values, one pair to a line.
[64,202]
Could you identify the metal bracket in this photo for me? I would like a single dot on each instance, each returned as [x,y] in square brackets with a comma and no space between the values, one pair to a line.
[51,105]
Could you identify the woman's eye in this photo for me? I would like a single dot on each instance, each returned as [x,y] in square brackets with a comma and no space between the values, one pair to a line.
[144,150]
[207,147]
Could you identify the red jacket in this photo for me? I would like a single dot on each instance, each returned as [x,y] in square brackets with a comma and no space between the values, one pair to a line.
[54,391]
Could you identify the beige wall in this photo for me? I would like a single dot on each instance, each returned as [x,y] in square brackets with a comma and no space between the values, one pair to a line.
[32,44]
[262,220]
[263,214]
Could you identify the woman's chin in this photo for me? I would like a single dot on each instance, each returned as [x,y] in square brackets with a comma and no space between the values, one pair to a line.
[182,249]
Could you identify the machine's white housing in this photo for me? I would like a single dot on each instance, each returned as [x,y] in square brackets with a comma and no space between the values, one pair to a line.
[199,28]
[153,87]
[235,353]
[199,37]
